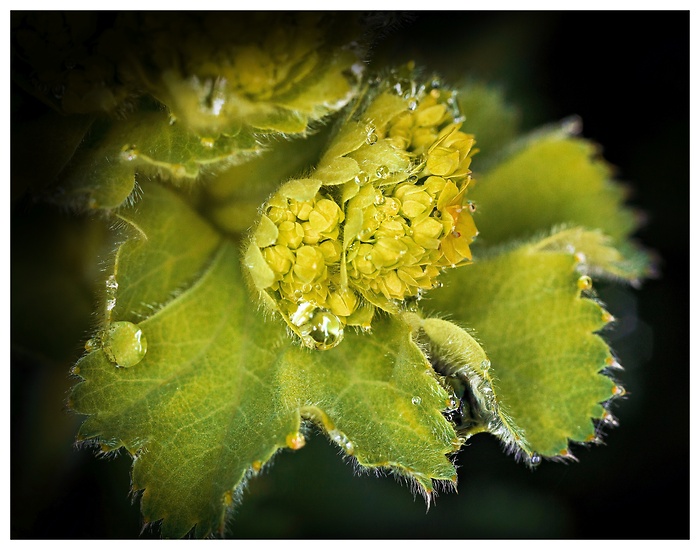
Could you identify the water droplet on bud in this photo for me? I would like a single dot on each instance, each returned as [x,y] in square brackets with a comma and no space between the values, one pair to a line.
[319,328]
[416,400]
[382,171]
[535,459]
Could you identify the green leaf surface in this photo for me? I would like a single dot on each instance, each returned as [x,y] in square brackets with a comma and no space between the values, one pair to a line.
[222,387]
[463,361]
[277,73]
[105,168]
[531,311]
[554,180]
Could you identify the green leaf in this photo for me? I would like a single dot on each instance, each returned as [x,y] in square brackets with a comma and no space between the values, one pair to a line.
[467,368]
[532,312]
[277,73]
[554,180]
[105,169]
[203,389]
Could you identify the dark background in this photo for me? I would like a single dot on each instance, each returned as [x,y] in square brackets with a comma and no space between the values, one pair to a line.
[626,74]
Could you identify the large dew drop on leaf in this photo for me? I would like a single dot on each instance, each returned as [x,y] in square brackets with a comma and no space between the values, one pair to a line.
[220,388]
[530,311]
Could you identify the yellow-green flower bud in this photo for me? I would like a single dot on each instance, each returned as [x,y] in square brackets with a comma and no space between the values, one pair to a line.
[291,234]
[427,233]
[390,218]
[280,259]
[442,161]
[310,264]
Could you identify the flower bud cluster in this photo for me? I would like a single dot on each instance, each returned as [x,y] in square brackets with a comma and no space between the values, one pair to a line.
[384,235]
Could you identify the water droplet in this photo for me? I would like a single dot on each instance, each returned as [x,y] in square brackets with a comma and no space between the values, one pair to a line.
[609,419]
[584,282]
[412,105]
[319,328]
[111,303]
[372,138]
[416,400]
[129,152]
[362,178]
[342,440]
[179,170]
[379,199]
[125,344]
[452,402]
[486,364]
[535,459]
[412,179]
[58,91]
[382,171]
[298,293]
[306,288]
[472,206]
[92,344]
[619,391]
[111,283]
[295,441]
